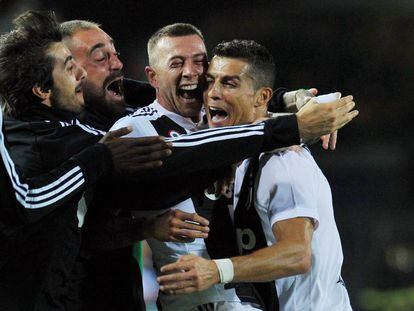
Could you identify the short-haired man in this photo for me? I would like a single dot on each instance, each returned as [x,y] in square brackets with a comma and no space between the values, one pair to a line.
[281,198]
[177,63]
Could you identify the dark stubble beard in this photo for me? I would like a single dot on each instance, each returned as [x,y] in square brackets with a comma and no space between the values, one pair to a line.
[96,102]
[57,102]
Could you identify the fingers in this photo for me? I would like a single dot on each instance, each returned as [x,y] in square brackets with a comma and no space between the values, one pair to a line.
[183,235]
[339,113]
[176,288]
[343,101]
[325,141]
[183,282]
[119,132]
[313,91]
[347,118]
[181,264]
[190,225]
[175,277]
[333,139]
[186,226]
[191,217]
[183,291]
[116,133]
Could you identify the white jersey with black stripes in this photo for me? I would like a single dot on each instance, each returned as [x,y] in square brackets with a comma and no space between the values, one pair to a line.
[289,184]
[156,120]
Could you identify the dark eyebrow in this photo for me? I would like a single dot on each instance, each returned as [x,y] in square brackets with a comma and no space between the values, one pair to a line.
[226,78]
[68,59]
[101,45]
[95,47]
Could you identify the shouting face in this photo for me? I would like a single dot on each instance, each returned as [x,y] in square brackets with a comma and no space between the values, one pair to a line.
[230,98]
[94,50]
[177,73]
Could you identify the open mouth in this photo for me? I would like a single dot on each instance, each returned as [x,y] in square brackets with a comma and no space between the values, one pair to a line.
[115,88]
[217,114]
[78,89]
[189,91]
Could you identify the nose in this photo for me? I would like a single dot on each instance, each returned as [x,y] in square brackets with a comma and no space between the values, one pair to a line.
[190,70]
[214,90]
[115,63]
[80,72]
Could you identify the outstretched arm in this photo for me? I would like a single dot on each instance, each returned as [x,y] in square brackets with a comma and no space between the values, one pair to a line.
[289,256]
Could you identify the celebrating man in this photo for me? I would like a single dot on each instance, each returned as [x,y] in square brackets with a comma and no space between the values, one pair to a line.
[281,199]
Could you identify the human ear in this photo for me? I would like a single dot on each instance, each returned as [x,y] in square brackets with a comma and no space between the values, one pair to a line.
[38,91]
[263,97]
[151,76]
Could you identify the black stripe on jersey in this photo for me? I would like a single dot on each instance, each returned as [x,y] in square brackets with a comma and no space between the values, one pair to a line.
[167,127]
[211,135]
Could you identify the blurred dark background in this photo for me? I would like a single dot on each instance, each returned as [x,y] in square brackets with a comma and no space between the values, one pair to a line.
[364,48]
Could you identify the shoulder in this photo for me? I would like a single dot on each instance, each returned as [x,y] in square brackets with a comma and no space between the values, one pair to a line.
[147,111]
[287,166]
[140,121]
[289,159]
[289,183]
[136,118]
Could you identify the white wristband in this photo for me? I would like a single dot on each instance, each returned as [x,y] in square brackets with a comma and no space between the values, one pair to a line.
[225,269]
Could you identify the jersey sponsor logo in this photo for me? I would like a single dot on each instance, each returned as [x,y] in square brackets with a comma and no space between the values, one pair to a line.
[226,191]
[211,196]
[174,134]
[246,239]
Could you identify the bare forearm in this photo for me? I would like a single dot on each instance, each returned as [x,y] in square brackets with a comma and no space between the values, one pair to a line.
[277,261]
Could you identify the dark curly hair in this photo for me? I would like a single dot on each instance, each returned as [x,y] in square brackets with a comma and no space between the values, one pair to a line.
[24,61]
[261,64]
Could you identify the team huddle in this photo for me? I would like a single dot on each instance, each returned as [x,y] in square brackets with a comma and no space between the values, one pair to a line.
[197,162]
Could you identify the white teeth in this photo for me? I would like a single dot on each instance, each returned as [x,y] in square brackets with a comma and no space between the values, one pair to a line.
[189,87]
[217,118]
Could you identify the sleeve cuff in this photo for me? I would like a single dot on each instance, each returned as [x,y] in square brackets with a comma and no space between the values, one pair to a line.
[295,213]
[281,132]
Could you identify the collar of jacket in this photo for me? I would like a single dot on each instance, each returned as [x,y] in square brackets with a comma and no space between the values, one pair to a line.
[42,112]
[96,119]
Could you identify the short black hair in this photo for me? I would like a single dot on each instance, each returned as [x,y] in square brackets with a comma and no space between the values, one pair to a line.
[24,61]
[261,63]
[173,30]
